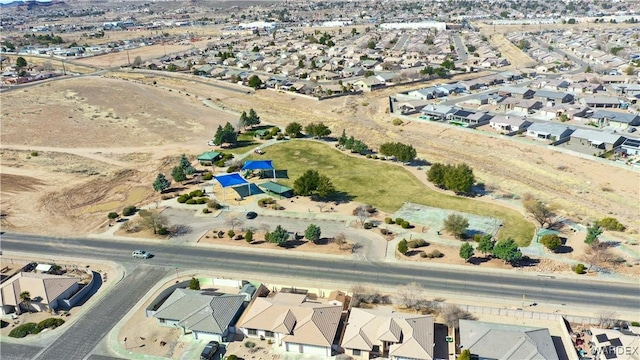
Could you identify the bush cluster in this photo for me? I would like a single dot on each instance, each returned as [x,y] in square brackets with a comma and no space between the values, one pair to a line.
[231,234]
[405,224]
[611,224]
[434,254]
[388,220]
[578,269]
[385,232]
[206,211]
[213,204]
[129,210]
[163,231]
[190,198]
[266,201]
[417,243]
[207,176]
[33,328]
[368,225]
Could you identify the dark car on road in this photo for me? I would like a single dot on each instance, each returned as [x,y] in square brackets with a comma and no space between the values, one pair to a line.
[209,350]
[252,215]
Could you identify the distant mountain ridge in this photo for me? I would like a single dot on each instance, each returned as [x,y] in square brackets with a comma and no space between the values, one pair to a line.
[29,3]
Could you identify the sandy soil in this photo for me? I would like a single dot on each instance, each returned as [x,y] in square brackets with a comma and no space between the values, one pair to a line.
[517,58]
[506,29]
[124,58]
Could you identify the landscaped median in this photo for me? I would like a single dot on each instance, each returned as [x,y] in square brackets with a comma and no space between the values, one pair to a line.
[385,185]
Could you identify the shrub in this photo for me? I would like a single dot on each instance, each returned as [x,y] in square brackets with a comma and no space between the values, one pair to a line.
[207,176]
[112,215]
[234,168]
[268,137]
[34,153]
[368,225]
[551,241]
[399,221]
[24,330]
[129,210]
[248,237]
[579,269]
[144,213]
[183,198]
[50,323]
[166,197]
[206,211]
[276,207]
[279,137]
[232,357]
[477,237]
[368,156]
[611,224]
[435,254]
[385,232]
[250,344]
[388,220]
[266,201]
[405,225]
[402,247]
[213,204]
[239,237]
[423,254]
[196,193]
[201,201]
[192,201]
[635,323]
[231,234]
[220,163]
[414,244]
[163,231]
[397,122]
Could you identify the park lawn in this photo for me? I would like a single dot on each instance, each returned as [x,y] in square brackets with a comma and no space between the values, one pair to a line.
[246,142]
[382,184]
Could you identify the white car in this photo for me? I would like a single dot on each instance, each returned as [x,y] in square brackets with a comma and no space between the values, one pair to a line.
[211,143]
[141,254]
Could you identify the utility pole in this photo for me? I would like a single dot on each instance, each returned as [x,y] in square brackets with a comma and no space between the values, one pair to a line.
[128,59]
[64,71]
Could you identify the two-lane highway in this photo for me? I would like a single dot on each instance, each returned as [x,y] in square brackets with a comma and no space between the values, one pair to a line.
[472,282]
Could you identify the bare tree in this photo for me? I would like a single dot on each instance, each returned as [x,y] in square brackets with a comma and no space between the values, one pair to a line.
[361,294]
[340,239]
[233,221]
[542,213]
[452,315]
[409,295]
[429,306]
[321,205]
[607,318]
[362,214]
[153,220]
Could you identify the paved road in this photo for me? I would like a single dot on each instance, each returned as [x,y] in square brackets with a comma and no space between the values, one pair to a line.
[463,55]
[512,286]
[81,338]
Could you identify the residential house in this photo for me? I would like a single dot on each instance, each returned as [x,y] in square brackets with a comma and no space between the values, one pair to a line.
[386,77]
[437,112]
[46,292]
[525,106]
[368,84]
[488,341]
[604,102]
[555,96]
[509,123]
[629,147]
[207,315]
[467,118]
[614,345]
[593,139]
[389,334]
[411,106]
[293,322]
[549,131]
[616,119]
[517,92]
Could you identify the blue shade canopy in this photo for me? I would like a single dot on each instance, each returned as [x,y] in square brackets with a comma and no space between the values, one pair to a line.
[258,165]
[230,180]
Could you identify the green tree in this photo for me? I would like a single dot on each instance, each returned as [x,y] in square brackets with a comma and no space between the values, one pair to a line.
[456,224]
[312,233]
[185,164]
[551,241]
[448,64]
[354,32]
[161,183]
[342,140]
[226,134]
[279,236]
[507,250]
[325,187]
[541,212]
[25,299]
[611,224]
[112,216]
[403,246]
[317,130]
[593,232]
[248,237]
[253,119]
[466,251]
[588,69]
[178,174]
[306,184]
[293,129]
[254,82]
[485,245]
[466,353]
[371,44]
[194,284]
[436,173]
[244,119]
[21,62]
[459,178]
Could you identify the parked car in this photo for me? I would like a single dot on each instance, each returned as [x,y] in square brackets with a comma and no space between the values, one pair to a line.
[258,151]
[140,254]
[209,350]
[252,215]
[211,143]
[632,130]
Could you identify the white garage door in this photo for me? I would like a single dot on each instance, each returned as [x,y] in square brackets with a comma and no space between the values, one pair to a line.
[294,348]
[315,350]
[207,336]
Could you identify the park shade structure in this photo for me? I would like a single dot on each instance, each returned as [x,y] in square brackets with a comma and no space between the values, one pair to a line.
[209,157]
[278,189]
[259,165]
[231,180]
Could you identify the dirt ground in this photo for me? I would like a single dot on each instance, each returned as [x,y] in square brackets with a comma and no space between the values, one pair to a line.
[517,58]
[15,263]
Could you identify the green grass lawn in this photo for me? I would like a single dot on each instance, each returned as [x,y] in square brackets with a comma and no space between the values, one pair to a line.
[246,142]
[383,185]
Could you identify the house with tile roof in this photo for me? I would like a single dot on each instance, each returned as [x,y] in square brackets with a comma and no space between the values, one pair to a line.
[506,342]
[293,322]
[205,314]
[614,345]
[385,333]
[45,290]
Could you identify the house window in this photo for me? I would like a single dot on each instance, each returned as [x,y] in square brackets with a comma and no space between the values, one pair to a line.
[162,321]
[268,334]
[253,332]
[357,352]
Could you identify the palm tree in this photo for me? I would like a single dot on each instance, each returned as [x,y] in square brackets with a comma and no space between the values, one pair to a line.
[25,298]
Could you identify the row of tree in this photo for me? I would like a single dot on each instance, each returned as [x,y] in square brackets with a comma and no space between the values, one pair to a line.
[248,120]
[179,173]
[353,144]
[506,250]
[458,178]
